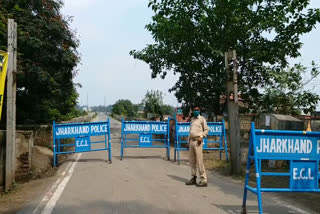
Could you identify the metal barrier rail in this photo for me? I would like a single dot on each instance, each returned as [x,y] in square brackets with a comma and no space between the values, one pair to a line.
[300,148]
[81,134]
[146,131]
[216,129]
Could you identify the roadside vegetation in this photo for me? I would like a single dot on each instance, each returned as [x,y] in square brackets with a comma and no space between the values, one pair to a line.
[151,106]
[191,37]
[47,60]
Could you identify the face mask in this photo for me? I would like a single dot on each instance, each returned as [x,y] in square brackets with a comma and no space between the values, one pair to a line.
[196,113]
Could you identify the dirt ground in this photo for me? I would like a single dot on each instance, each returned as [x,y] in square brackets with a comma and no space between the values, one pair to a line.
[26,190]
[22,193]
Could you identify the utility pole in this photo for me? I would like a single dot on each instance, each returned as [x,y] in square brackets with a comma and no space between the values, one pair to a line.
[87,102]
[11,105]
[233,111]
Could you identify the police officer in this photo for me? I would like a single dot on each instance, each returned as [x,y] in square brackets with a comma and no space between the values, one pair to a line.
[198,130]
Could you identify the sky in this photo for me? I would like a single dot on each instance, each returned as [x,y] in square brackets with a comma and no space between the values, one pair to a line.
[108,30]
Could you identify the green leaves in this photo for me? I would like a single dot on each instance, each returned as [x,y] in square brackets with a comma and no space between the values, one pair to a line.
[125,108]
[286,94]
[153,103]
[48,55]
[192,36]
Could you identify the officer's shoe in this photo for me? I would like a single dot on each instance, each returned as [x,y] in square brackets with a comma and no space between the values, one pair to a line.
[201,184]
[192,181]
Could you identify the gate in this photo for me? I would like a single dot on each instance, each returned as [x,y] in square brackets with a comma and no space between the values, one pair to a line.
[145,134]
[216,130]
[79,137]
[301,149]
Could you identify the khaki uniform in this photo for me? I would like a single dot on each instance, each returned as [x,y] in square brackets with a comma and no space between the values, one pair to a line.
[198,128]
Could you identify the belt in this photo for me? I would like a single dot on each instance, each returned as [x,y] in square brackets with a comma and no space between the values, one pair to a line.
[195,138]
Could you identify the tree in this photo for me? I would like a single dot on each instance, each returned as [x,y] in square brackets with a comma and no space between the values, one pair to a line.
[286,95]
[101,108]
[167,110]
[192,36]
[125,108]
[153,103]
[47,58]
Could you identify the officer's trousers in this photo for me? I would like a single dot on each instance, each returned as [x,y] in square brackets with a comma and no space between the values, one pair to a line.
[196,160]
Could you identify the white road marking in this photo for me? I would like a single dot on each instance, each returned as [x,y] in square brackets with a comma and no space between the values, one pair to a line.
[47,196]
[51,190]
[58,191]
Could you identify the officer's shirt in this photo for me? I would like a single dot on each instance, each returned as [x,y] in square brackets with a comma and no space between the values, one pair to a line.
[198,127]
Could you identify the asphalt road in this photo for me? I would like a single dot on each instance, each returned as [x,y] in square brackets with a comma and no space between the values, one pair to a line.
[143,183]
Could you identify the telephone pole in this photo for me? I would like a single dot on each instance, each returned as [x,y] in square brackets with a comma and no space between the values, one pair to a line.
[233,110]
[87,102]
[11,105]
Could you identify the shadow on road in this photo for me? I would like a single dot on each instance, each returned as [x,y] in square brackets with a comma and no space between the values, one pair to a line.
[177,178]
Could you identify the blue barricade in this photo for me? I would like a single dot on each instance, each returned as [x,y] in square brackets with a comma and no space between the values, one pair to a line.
[80,135]
[301,149]
[216,129]
[147,132]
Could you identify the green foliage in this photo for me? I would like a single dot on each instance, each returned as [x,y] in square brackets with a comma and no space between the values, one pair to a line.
[285,93]
[167,110]
[101,108]
[192,36]
[47,58]
[125,108]
[74,114]
[153,103]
